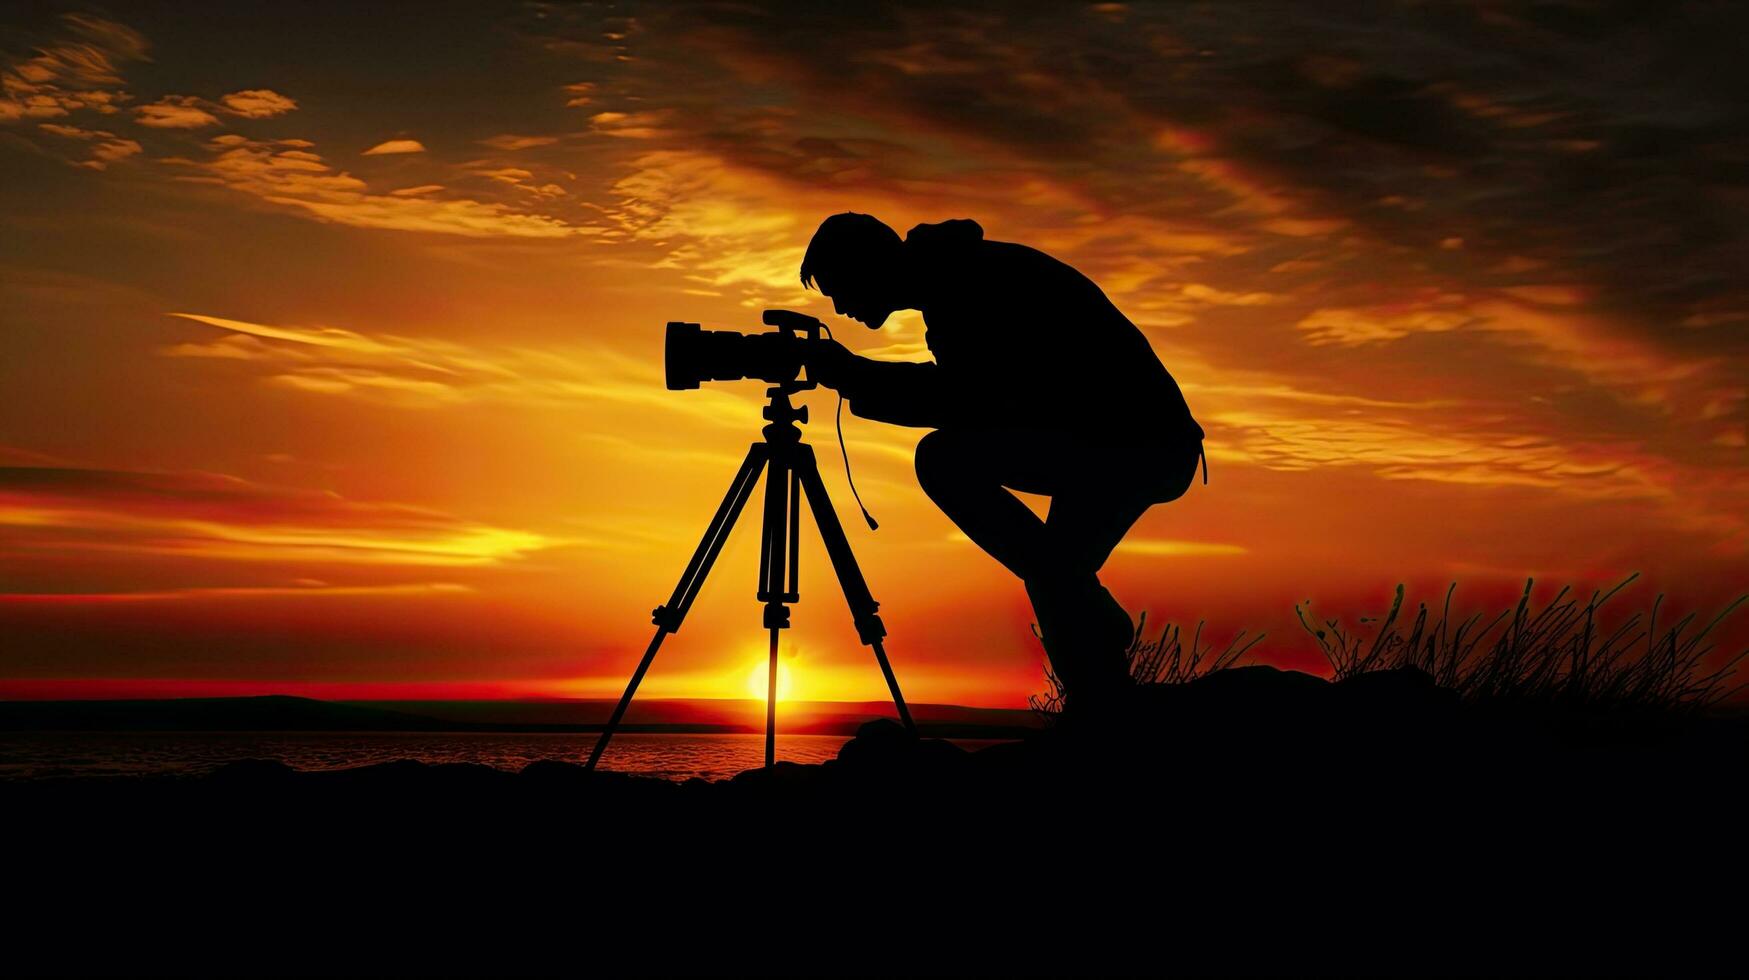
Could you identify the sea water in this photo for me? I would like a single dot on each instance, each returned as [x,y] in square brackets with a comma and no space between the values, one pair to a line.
[40,755]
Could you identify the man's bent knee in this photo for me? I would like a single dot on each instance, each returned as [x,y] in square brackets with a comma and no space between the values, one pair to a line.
[938,454]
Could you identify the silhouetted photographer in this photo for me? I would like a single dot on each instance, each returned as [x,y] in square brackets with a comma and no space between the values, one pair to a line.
[1039,384]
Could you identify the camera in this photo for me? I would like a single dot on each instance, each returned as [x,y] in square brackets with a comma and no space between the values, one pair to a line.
[693,355]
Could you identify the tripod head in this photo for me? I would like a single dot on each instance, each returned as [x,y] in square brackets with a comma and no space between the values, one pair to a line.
[782,415]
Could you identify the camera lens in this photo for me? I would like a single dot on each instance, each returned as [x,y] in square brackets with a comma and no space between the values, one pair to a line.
[679,356]
[692,356]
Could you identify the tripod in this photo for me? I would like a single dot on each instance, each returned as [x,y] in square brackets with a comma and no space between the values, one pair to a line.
[793,473]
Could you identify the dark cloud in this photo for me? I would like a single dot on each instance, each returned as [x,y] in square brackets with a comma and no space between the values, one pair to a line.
[1550,194]
[1605,139]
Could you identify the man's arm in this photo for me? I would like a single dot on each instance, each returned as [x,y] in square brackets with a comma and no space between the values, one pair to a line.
[895,392]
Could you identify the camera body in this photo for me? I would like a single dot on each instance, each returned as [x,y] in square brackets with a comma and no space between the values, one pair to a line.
[692,356]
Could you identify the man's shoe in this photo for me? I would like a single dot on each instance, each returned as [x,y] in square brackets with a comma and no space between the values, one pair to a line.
[1086,635]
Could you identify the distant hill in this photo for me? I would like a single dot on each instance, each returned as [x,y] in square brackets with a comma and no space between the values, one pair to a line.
[701,714]
[271,713]
[284,713]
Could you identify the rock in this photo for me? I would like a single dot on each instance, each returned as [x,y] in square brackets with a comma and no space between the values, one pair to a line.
[252,771]
[782,777]
[1417,719]
[882,741]
[1397,689]
[553,773]
[1259,681]
[940,753]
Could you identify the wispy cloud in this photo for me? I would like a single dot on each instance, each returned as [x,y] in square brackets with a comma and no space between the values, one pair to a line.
[308,590]
[288,174]
[1482,453]
[106,147]
[258,103]
[426,373]
[78,69]
[579,94]
[217,517]
[1157,547]
[194,112]
[1170,548]
[643,125]
[312,336]
[395,146]
[512,142]
[175,112]
[522,180]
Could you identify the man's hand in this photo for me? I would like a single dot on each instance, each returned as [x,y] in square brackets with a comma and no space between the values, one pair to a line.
[829,362]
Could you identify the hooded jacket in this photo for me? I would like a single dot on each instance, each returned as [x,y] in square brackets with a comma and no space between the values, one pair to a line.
[1020,341]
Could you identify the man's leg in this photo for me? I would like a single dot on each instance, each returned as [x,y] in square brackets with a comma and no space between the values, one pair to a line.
[1087,523]
[1094,632]
[1092,506]
[966,474]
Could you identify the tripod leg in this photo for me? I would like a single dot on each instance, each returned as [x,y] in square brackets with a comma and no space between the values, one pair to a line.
[668,618]
[862,604]
[776,573]
[625,699]
[771,704]
[794,526]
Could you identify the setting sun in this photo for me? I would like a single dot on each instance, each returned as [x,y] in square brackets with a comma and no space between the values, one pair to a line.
[757,680]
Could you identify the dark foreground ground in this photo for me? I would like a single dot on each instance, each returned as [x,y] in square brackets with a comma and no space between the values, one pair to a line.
[1253,821]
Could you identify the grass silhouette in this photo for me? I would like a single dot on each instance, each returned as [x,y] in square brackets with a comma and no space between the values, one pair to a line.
[1557,657]
[1554,657]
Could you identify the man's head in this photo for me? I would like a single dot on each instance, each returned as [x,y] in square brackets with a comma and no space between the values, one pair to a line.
[858,262]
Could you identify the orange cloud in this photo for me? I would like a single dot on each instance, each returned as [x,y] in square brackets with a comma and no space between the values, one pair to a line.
[307,590]
[1350,327]
[175,112]
[313,336]
[579,94]
[422,373]
[80,70]
[217,517]
[258,103]
[106,147]
[1472,452]
[645,125]
[194,112]
[286,173]
[395,146]
[522,180]
[1157,547]
[511,141]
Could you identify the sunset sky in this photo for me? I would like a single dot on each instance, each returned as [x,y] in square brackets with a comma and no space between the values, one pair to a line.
[330,334]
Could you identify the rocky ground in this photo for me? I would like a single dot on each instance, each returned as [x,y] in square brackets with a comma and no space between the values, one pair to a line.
[1252,821]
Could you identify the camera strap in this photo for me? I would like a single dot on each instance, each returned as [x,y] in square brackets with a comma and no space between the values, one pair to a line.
[842,451]
[872,526]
